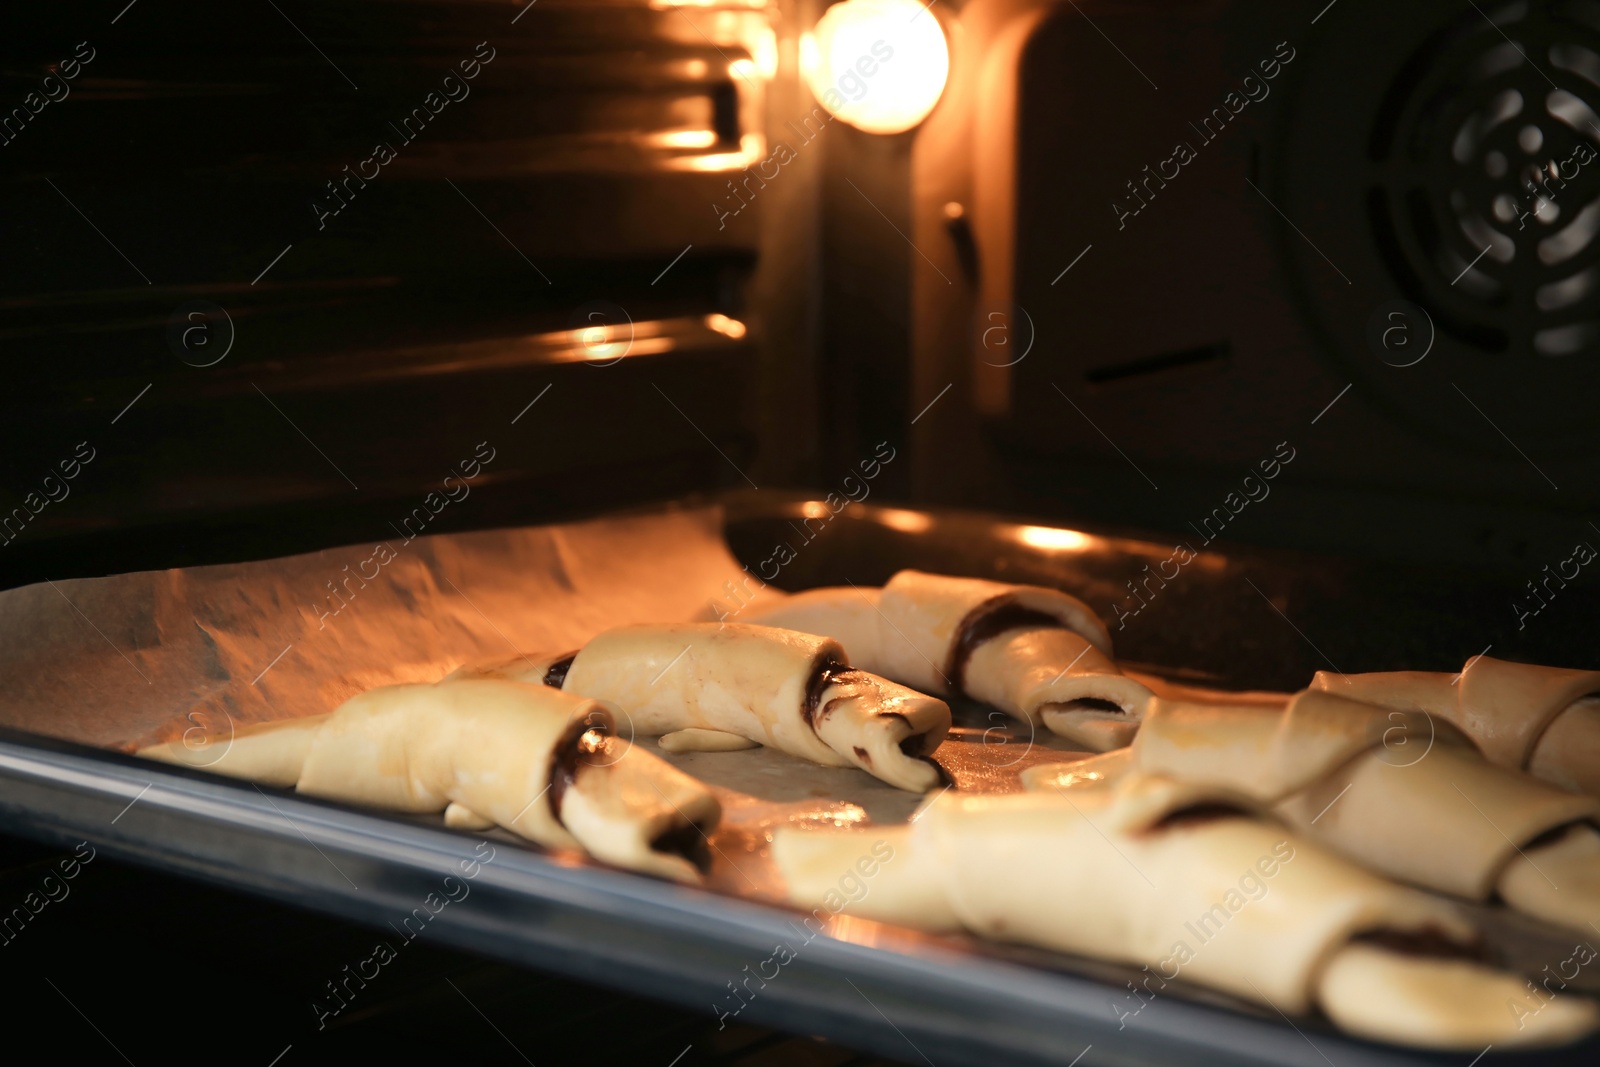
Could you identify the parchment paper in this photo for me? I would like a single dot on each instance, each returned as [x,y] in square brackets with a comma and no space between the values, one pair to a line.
[134,659]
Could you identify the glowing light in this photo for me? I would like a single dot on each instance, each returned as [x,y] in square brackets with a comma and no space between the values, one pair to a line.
[683,139]
[911,522]
[1068,779]
[815,509]
[764,49]
[752,148]
[743,69]
[601,342]
[808,55]
[1051,538]
[670,5]
[727,327]
[879,65]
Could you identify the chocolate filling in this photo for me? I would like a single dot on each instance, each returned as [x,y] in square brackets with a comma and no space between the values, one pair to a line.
[584,737]
[687,841]
[1198,815]
[1092,704]
[863,755]
[556,676]
[916,746]
[825,672]
[984,622]
[828,672]
[945,778]
[1430,941]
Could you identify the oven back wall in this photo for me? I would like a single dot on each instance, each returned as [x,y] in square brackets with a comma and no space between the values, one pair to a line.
[1232,233]
[275,279]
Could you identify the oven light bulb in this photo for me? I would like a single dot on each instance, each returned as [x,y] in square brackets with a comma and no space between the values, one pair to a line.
[880,65]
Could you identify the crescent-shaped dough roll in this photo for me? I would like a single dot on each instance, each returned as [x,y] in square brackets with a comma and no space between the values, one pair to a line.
[787,690]
[696,740]
[271,753]
[1150,872]
[848,614]
[1404,796]
[1038,654]
[1545,720]
[541,763]
[1167,689]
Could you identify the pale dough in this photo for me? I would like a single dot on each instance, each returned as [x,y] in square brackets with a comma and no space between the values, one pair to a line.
[1545,720]
[541,763]
[1123,872]
[791,691]
[1404,795]
[1038,654]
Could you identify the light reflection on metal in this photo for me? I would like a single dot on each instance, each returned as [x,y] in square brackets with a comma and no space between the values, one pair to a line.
[743,5]
[727,327]
[764,49]
[752,147]
[911,522]
[1054,539]
[652,337]
[681,139]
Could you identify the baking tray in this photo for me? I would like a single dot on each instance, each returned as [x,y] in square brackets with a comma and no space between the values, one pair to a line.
[943,1001]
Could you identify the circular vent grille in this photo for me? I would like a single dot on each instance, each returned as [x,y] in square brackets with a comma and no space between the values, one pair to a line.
[1487,196]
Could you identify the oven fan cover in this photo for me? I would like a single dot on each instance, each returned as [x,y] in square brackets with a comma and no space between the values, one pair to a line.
[1470,201]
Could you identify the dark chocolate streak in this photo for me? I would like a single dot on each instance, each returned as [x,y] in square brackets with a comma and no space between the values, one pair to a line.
[1428,941]
[825,671]
[913,745]
[556,676]
[984,622]
[828,672]
[1198,815]
[687,841]
[582,739]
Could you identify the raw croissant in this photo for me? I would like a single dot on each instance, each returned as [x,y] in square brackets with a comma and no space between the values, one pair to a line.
[701,684]
[1038,654]
[1150,872]
[541,763]
[1544,720]
[1403,795]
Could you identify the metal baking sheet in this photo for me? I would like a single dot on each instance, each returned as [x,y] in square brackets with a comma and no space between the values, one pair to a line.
[944,1001]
